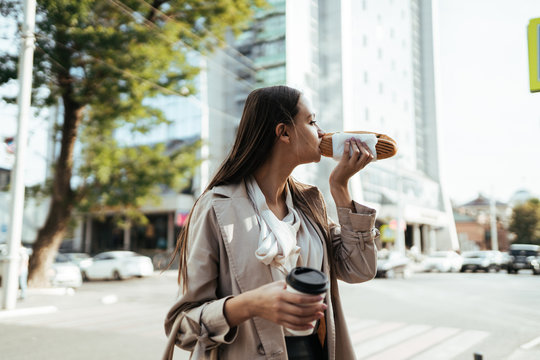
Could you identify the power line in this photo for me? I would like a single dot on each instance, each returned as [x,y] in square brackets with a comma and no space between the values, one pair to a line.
[129,74]
[250,61]
[149,24]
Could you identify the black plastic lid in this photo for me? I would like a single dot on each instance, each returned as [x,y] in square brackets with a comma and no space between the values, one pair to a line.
[307,280]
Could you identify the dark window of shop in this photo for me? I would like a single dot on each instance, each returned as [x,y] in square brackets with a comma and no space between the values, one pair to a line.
[151,236]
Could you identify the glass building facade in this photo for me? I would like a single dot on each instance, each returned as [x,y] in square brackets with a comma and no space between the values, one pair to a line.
[365,65]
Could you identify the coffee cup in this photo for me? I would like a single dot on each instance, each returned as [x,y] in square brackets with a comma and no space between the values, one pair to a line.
[307,281]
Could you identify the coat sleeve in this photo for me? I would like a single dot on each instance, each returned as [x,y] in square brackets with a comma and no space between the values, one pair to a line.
[202,322]
[353,244]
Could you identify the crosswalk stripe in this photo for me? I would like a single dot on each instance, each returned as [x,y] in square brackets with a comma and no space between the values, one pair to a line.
[380,343]
[453,346]
[371,332]
[531,344]
[356,324]
[408,348]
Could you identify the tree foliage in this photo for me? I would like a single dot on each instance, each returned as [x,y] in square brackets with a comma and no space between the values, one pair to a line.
[525,222]
[103,59]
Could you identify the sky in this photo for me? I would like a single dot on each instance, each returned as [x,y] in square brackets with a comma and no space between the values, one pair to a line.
[489,121]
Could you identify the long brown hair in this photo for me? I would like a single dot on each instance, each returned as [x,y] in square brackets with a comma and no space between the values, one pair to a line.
[264,109]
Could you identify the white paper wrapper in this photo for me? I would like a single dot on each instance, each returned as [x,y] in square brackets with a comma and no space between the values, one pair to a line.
[338,143]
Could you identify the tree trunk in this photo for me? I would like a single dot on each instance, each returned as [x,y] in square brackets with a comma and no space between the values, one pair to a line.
[52,233]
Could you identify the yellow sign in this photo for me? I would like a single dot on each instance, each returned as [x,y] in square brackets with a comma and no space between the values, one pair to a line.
[387,234]
[533,32]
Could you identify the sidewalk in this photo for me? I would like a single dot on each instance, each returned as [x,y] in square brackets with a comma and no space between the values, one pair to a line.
[39,327]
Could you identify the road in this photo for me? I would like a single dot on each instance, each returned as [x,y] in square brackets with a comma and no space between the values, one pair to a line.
[428,316]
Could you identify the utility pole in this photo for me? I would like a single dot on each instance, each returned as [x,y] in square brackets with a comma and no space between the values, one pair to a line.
[10,276]
[493,222]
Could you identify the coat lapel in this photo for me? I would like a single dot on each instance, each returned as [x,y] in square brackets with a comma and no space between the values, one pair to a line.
[240,232]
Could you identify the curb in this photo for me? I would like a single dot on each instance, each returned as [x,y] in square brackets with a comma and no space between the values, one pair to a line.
[5,314]
[51,291]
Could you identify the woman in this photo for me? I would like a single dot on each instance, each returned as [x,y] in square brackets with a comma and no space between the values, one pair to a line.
[253,224]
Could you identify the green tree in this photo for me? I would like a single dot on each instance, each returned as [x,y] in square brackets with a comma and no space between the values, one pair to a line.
[525,222]
[103,59]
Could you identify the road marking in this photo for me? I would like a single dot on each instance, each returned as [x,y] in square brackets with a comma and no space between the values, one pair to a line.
[371,332]
[101,317]
[8,314]
[411,347]
[453,346]
[380,343]
[356,324]
[531,344]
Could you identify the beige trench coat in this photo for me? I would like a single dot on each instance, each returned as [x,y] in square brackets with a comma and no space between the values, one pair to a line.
[223,238]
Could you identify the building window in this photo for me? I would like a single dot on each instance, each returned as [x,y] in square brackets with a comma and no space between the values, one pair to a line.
[4,178]
[381,88]
[365,77]
[364,40]
[367,114]
[272,76]
[364,5]
[379,53]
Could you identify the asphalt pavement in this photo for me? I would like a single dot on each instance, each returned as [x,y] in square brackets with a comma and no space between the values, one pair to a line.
[425,317]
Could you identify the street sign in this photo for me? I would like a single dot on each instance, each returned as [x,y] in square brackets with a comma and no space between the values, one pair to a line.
[533,34]
[180,217]
[387,234]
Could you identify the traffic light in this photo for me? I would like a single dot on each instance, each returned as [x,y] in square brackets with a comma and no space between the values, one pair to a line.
[533,32]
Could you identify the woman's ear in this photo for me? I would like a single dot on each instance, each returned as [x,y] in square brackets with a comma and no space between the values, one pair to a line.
[282,133]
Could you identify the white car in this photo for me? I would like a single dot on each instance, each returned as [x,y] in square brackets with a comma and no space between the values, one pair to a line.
[64,273]
[116,265]
[77,258]
[392,263]
[477,260]
[443,261]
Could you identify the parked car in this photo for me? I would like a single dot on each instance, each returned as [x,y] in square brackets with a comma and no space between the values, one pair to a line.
[391,264]
[497,259]
[64,273]
[505,260]
[117,265]
[535,264]
[524,256]
[442,261]
[79,259]
[479,260]
[61,273]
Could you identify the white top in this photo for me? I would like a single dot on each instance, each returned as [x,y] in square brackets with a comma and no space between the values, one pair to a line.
[287,243]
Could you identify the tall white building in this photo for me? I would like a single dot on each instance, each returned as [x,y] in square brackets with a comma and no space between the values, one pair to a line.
[383,66]
[365,65]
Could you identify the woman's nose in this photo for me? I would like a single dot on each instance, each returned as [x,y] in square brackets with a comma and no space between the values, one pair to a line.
[320,132]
